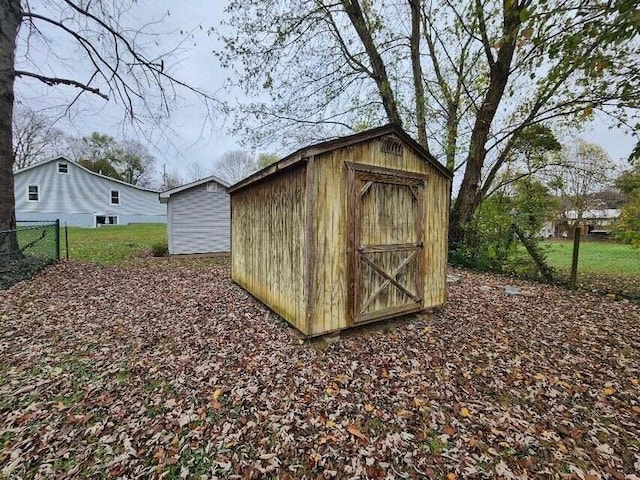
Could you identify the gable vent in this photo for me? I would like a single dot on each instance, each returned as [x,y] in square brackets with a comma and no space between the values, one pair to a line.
[391,145]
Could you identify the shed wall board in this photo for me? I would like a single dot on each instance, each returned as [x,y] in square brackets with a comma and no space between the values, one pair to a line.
[199,221]
[330,236]
[78,196]
[268,243]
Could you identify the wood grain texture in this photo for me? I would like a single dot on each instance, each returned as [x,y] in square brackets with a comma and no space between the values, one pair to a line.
[268,243]
[294,232]
[388,222]
[333,296]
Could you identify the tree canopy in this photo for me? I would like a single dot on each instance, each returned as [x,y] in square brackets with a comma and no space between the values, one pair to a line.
[127,160]
[114,58]
[467,78]
[628,227]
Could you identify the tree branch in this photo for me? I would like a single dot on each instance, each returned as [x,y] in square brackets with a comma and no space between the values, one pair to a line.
[416,67]
[483,32]
[356,15]
[61,81]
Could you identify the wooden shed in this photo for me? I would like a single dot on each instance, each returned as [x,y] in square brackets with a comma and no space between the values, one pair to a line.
[344,232]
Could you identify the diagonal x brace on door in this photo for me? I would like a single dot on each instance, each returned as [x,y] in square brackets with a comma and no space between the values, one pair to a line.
[389,279]
[365,188]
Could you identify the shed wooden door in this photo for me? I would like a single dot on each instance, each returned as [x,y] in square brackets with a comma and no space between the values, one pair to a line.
[386,242]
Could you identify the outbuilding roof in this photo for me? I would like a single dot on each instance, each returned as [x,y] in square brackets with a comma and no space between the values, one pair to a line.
[164,196]
[302,154]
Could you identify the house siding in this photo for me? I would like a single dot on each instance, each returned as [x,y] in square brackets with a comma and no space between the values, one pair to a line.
[78,196]
[199,221]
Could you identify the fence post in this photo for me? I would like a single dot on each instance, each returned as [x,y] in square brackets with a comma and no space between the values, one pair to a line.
[57,239]
[574,260]
[66,239]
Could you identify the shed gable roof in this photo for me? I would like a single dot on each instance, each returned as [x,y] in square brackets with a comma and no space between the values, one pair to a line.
[85,169]
[341,142]
[164,196]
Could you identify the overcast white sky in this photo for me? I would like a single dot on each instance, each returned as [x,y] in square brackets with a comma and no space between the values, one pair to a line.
[193,138]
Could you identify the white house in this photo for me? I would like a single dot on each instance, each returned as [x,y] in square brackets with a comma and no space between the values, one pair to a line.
[62,189]
[199,217]
[593,220]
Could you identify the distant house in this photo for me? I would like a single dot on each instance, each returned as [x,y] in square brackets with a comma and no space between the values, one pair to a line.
[62,189]
[198,217]
[596,218]
[593,220]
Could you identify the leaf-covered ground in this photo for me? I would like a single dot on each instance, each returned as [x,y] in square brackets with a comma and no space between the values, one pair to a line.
[172,371]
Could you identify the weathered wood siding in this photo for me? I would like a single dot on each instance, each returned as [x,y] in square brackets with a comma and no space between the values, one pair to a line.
[268,243]
[388,215]
[329,296]
[198,220]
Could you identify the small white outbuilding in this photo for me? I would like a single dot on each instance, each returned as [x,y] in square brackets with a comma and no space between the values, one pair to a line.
[198,217]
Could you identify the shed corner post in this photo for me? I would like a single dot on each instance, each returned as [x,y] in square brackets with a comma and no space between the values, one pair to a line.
[231,233]
[309,251]
[351,204]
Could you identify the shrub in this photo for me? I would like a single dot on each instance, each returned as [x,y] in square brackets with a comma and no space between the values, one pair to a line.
[491,242]
[160,249]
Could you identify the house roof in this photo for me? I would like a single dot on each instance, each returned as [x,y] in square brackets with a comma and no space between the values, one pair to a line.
[164,196]
[65,159]
[302,154]
[595,214]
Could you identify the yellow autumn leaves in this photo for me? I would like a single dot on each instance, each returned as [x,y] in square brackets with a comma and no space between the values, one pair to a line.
[464,412]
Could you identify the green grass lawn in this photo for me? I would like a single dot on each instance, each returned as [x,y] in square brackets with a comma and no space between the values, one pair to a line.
[594,257]
[113,244]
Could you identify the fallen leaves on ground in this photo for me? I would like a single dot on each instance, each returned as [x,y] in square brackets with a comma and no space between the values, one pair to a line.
[171,371]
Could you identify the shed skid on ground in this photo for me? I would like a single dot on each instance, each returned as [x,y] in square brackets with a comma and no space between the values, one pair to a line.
[345,232]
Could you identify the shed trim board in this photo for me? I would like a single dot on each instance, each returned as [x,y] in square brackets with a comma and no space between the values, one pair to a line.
[344,233]
[308,242]
[319,148]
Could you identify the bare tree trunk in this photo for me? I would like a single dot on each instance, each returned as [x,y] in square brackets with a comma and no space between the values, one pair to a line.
[9,24]
[379,71]
[469,196]
[416,65]
[452,132]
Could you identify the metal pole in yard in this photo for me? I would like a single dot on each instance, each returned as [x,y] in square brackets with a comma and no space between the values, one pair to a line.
[57,239]
[574,260]
[66,239]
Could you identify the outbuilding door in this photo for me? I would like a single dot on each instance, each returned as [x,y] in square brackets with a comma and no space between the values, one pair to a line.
[387,240]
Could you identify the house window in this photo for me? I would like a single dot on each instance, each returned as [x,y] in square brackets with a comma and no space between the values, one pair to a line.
[102,220]
[33,193]
[115,197]
[63,167]
[212,187]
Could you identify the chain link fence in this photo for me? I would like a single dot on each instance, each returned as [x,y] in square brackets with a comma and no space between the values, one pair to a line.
[27,249]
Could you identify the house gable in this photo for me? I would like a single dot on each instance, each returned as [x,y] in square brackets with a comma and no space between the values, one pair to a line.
[78,195]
